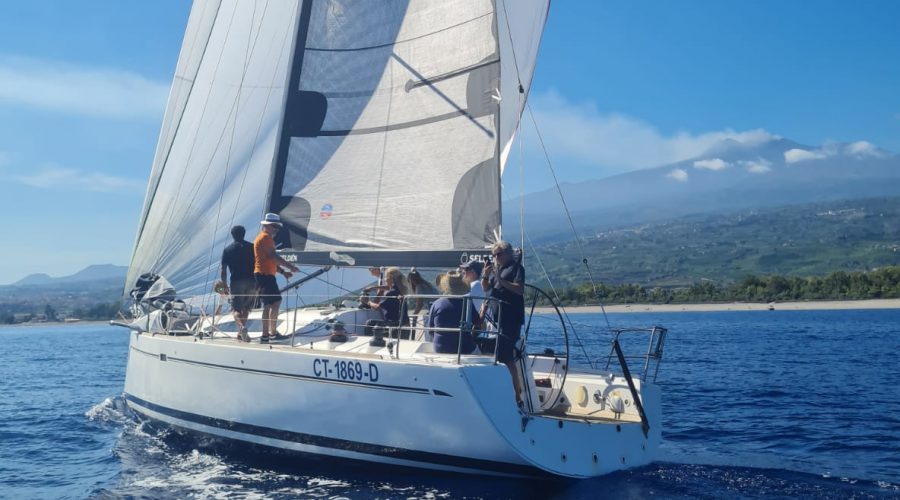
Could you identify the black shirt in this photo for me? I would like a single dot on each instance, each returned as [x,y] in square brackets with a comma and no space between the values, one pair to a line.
[513,303]
[238,258]
[390,306]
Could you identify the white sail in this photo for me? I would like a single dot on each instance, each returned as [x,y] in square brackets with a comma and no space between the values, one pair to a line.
[369,125]
[214,170]
[391,146]
[521,22]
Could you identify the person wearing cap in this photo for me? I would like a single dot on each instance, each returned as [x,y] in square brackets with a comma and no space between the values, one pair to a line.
[504,281]
[471,274]
[238,259]
[451,312]
[267,264]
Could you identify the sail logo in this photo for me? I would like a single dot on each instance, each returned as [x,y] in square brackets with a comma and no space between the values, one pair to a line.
[466,257]
[325,211]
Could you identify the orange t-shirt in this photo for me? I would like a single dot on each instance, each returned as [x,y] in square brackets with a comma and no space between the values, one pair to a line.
[263,246]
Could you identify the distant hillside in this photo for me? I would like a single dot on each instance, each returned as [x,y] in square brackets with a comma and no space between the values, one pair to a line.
[97,272]
[797,240]
[730,176]
[93,292]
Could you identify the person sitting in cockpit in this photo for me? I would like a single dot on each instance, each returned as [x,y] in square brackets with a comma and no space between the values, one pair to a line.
[450,312]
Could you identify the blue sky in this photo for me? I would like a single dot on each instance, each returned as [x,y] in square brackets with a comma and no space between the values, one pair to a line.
[619,86]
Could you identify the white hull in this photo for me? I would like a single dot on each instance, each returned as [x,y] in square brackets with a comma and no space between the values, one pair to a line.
[411,407]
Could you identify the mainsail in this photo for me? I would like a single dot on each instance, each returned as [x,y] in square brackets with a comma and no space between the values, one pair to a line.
[377,129]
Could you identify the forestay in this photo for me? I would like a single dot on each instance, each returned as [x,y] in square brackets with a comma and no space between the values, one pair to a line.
[377,130]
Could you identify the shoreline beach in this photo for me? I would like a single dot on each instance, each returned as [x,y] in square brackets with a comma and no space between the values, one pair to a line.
[817,305]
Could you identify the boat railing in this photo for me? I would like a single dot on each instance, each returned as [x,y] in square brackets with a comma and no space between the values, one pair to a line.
[467,324]
[650,359]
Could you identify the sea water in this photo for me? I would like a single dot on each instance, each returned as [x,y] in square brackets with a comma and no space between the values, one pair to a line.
[767,403]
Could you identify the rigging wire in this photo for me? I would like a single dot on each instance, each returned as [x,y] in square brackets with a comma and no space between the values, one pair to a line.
[568,214]
[251,44]
[169,215]
[555,181]
[563,309]
[151,193]
[258,127]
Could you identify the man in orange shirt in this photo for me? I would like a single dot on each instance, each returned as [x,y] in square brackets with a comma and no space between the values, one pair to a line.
[267,264]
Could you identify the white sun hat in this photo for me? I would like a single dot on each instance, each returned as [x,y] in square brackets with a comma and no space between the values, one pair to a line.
[271,218]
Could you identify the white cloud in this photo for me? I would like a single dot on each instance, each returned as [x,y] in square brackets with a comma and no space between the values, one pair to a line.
[4,158]
[64,87]
[798,155]
[616,142]
[712,164]
[863,148]
[858,149]
[758,166]
[59,177]
[678,174]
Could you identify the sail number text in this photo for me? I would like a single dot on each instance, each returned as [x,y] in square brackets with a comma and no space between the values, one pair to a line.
[345,370]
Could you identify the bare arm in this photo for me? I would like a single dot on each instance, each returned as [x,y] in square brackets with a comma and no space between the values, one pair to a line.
[272,254]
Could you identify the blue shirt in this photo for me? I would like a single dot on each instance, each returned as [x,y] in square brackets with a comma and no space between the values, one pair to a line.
[448,313]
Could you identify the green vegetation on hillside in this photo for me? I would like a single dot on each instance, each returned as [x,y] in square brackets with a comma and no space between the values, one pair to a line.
[93,300]
[879,284]
[720,250]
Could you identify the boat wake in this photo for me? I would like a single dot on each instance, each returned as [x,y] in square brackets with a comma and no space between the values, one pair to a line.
[112,411]
[160,461]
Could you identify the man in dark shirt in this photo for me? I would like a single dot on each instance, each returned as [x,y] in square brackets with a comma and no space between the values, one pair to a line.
[504,281]
[238,259]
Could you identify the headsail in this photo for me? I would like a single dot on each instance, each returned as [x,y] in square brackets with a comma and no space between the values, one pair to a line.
[218,138]
[372,127]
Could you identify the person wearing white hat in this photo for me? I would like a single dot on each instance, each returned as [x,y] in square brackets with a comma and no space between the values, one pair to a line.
[267,263]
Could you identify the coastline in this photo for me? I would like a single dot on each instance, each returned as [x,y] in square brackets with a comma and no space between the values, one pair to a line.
[817,305]
[29,324]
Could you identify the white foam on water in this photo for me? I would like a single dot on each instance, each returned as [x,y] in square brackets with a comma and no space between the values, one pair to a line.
[200,475]
[110,410]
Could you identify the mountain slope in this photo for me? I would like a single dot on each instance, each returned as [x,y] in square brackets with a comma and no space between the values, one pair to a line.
[730,176]
[796,240]
[96,272]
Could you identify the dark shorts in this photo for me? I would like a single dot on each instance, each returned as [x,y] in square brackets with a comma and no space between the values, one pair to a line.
[243,295]
[506,343]
[268,289]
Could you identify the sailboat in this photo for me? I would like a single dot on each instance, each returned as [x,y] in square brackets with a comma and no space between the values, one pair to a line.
[378,132]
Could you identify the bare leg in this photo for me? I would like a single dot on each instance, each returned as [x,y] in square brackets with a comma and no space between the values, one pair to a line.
[270,314]
[517,382]
[265,320]
[240,318]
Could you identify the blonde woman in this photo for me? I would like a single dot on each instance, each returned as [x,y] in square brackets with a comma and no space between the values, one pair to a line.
[392,313]
[450,312]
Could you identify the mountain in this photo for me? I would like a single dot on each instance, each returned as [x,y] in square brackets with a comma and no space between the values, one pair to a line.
[804,240]
[94,273]
[34,280]
[731,175]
